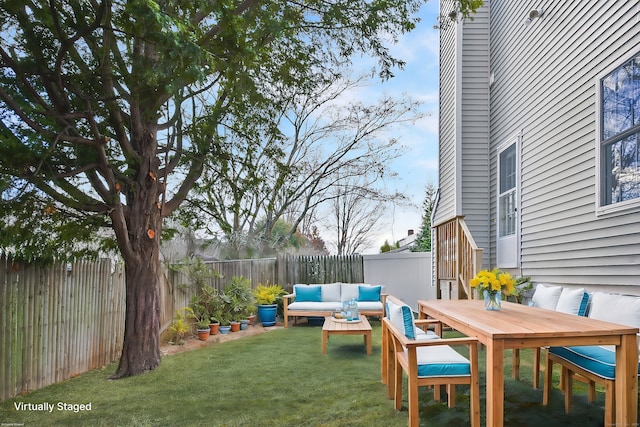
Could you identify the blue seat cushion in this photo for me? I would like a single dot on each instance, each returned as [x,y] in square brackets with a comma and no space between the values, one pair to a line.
[441,361]
[597,359]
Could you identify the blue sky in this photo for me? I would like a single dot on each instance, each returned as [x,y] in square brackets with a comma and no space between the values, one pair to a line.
[419,166]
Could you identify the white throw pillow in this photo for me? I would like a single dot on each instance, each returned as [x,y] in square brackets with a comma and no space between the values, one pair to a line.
[573,301]
[615,308]
[331,292]
[349,291]
[546,296]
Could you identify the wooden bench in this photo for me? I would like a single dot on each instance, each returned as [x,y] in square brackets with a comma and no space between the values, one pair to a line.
[322,300]
[595,364]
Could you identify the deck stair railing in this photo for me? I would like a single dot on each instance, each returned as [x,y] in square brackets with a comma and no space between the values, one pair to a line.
[458,259]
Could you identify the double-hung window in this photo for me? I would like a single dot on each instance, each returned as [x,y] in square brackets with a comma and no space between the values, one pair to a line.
[619,137]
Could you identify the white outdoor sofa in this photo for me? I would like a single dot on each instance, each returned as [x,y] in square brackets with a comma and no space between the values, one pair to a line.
[321,300]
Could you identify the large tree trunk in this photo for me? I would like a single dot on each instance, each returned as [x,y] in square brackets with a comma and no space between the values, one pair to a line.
[138,228]
[141,347]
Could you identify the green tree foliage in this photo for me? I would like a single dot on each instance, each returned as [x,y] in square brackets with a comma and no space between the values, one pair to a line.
[423,239]
[386,247]
[109,109]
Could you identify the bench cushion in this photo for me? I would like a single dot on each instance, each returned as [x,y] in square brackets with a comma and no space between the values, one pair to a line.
[314,306]
[331,292]
[546,296]
[597,359]
[616,308]
[370,306]
[348,291]
[573,301]
[441,361]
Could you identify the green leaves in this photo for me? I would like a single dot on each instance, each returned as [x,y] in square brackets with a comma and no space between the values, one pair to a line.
[92,94]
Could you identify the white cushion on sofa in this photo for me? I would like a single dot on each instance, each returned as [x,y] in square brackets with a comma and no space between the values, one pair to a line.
[546,296]
[349,291]
[369,305]
[316,306]
[573,301]
[331,292]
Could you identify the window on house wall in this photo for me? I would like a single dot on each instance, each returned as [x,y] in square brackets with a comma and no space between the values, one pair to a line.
[507,198]
[619,136]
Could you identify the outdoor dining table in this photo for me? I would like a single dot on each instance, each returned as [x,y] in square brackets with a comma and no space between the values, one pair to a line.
[520,326]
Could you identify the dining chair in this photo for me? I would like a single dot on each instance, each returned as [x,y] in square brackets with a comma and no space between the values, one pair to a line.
[428,361]
[420,328]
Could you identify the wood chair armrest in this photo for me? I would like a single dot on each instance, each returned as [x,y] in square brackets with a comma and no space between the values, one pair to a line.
[407,343]
[424,325]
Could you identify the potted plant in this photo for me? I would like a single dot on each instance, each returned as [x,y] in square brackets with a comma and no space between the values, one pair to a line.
[216,304]
[225,324]
[266,298]
[202,326]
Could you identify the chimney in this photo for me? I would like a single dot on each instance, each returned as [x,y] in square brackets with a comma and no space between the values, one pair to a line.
[410,232]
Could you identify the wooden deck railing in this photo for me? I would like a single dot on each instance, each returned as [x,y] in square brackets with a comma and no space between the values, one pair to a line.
[458,259]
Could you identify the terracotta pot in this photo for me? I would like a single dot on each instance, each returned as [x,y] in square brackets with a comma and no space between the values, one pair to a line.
[252,319]
[203,334]
[235,326]
[213,328]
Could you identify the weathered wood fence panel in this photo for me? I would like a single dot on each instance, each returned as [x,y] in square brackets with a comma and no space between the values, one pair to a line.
[285,270]
[57,321]
[61,320]
[320,269]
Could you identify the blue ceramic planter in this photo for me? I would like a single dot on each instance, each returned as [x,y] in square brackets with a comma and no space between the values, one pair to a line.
[267,314]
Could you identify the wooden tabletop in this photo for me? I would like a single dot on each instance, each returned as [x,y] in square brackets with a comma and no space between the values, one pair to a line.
[516,322]
[333,325]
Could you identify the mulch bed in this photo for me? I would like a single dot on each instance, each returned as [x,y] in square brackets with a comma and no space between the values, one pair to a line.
[192,343]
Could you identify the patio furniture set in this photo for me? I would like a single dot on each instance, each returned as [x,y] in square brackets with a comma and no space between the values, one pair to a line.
[596,344]
[322,300]
[600,348]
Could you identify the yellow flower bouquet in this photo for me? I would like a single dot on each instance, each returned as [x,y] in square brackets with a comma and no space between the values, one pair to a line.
[493,284]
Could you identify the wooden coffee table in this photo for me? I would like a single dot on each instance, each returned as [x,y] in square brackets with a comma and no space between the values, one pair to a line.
[334,326]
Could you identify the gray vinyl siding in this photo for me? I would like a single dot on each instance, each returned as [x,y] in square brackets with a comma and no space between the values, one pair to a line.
[464,124]
[545,88]
[446,208]
[475,127]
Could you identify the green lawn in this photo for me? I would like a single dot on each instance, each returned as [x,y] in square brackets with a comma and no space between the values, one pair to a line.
[275,379]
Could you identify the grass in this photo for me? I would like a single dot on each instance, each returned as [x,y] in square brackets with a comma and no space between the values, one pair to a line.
[279,378]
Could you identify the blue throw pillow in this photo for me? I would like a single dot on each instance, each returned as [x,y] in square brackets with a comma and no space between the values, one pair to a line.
[311,293]
[369,293]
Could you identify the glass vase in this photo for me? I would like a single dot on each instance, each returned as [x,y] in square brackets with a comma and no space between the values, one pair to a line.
[492,300]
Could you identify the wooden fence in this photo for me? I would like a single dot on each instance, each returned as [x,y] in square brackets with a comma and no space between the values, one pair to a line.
[285,270]
[61,320]
[57,321]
